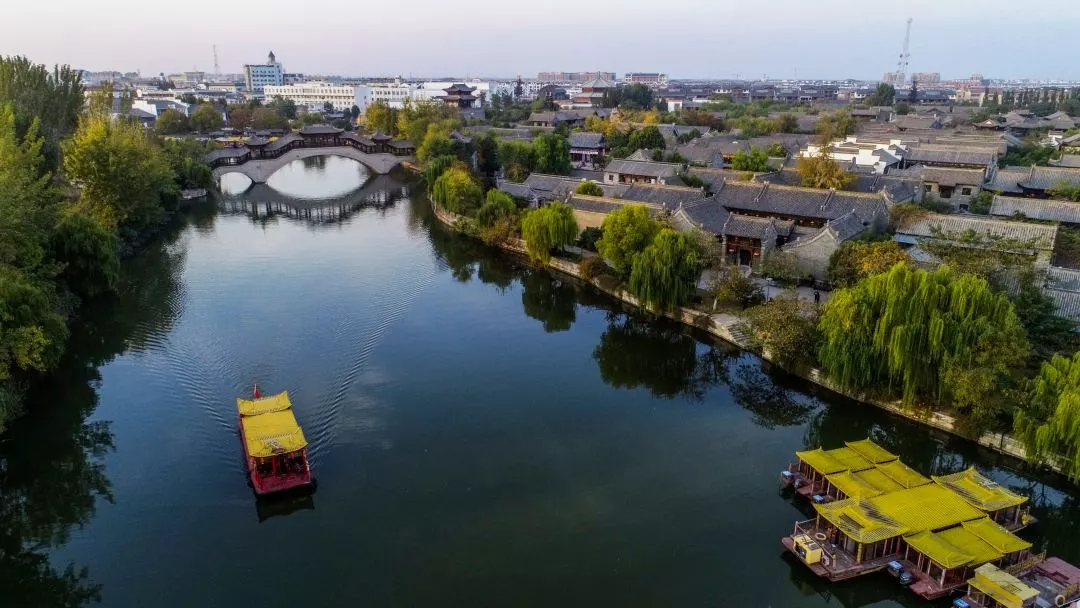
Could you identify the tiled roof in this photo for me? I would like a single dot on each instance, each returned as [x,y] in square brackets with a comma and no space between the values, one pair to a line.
[282,141]
[1067,303]
[257,141]
[671,196]
[846,226]
[1065,279]
[320,130]
[602,204]
[933,225]
[557,187]
[944,176]
[952,156]
[599,83]
[754,227]
[706,214]
[1044,178]
[635,167]
[792,201]
[1036,209]
[917,122]
[516,190]
[1007,180]
[584,139]
[226,153]
[1067,160]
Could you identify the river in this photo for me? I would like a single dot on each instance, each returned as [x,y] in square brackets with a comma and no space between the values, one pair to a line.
[484,433]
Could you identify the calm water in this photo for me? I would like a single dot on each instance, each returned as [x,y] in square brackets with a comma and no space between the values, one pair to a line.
[484,433]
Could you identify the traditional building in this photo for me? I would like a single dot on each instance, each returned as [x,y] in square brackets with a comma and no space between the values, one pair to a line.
[459,95]
[593,92]
[627,171]
[586,148]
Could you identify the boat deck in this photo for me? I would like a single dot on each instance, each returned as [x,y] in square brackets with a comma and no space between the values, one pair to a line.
[842,565]
[280,483]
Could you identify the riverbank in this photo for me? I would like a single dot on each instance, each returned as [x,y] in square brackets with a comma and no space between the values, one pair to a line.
[725,327]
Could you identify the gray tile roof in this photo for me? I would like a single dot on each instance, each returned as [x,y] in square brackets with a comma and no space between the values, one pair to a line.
[790,201]
[917,122]
[283,141]
[585,139]
[752,227]
[516,190]
[944,176]
[953,156]
[649,169]
[1067,160]
[706,214]
[661,194]
[1065,279]
[933,225]
[846,226]
[1036,209]
[1007,180]
[558,187]
[226,153]
[1067,303]
[320,130]
[600,204]
[1044,178]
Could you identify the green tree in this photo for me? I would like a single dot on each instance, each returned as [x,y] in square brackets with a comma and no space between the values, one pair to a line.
[379,116]
[552,154]
[285,108]
[122,176]
[981,203]
[187,159]
[882,96]
[548,228]
[172,122]
[776,150]
[757,160]
[206,118]
[33,334]
[1048,423]
[1066,191]
[902,109]
[497,205]
[27,199]
[913,92]
[436,143]
[730,285]
[636,97]
[240,117]
[517,159]
[857,260]
[647,137]
[665,273]
[457,192]
[787,123]
[265,118]
[941,338]
[835,126]
[415,117]
[589,188]
[821,171]
[52,98]
[434,169]
[627,232]
[87,254]
[786,328]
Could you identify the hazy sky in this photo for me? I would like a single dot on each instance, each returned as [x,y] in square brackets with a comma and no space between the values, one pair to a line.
[688,38]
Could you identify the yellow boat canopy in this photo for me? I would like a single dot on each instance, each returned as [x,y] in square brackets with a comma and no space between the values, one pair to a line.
[820,461]
[270,427]
[871,451]
[938,549]
[903,474]
[968,542]
[980,490]
[264,405]
[1005,588]
[852,485]
[858,520]
[996,536]
[925,508]
[879,480]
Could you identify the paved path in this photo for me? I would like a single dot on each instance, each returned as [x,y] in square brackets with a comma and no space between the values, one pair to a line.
[260,170]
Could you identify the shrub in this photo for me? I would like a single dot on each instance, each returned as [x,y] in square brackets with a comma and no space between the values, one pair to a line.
[592,267]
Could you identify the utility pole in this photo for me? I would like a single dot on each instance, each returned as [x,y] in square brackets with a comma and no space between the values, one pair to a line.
[902,65]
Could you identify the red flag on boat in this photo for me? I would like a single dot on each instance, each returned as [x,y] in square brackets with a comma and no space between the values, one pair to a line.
[257,395]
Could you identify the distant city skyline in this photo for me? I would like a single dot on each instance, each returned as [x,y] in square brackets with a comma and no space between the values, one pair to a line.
[829,39]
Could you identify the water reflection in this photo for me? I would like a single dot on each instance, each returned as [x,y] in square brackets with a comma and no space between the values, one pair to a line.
[771,404]
[234,183]
[548,299]
[52,471]
[636,352]
[319,177]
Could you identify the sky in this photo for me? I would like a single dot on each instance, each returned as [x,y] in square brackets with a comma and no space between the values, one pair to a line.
[504,38]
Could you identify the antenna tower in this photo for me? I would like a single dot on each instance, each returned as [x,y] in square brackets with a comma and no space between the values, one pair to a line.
[217,68]
[901,66]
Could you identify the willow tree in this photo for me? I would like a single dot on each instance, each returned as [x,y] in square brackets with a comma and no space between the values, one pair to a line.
[1049,421]
[627,231]
[937,337]
[665,274]
[548,228]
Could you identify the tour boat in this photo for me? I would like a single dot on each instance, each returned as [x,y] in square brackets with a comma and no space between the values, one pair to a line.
[275,449]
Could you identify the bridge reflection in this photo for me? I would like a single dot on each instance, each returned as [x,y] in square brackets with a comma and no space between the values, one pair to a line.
[262,203]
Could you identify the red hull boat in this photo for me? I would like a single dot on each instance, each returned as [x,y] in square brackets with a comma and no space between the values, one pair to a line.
[275,449]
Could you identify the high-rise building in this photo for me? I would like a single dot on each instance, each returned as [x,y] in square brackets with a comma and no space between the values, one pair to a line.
[259,75]
[548,77]
[314,95]
[926,77]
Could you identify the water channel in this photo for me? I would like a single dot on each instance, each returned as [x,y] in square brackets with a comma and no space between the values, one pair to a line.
[484,433]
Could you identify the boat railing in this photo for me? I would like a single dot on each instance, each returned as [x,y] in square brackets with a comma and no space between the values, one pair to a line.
[1026,564]
[811,529]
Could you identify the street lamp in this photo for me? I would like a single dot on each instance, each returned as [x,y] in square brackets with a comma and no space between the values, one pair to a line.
[768,285]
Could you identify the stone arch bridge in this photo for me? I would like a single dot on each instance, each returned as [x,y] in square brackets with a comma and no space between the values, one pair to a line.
[260,170]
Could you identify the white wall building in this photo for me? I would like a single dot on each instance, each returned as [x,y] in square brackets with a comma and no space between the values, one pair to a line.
[393,94]
[257,76]
[314,95]
[880,155]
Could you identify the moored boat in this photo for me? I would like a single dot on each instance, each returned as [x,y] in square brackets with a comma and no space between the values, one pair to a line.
[275,450]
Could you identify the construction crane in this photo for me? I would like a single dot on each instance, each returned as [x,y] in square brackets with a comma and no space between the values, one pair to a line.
[901,66]
[217,68]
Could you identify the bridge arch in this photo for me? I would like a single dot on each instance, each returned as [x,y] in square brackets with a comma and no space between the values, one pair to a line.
[260,170]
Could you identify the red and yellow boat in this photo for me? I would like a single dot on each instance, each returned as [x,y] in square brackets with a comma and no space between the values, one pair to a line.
[274,445]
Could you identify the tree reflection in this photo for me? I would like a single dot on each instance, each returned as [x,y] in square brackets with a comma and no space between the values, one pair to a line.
[52,460]
[549,300]
[659,356]
[770,404]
